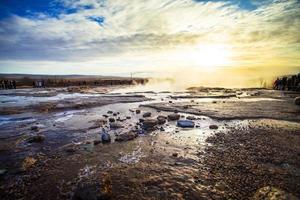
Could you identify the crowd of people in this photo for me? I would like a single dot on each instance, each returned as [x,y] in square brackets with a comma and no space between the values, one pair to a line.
[291,83]
[8,84]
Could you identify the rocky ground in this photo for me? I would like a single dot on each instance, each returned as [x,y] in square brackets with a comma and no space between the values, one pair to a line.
[100,143]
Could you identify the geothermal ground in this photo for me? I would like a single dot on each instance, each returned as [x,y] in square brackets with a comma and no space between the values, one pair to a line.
[201,143]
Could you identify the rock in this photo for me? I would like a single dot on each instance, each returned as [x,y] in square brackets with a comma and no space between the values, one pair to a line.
[28,162]
[185,123]
[141,120]
[111,119]
[190,117]
[214,102]
[170,102]
[270,193]
[161,129]
[173,117]
[137,111]
[126,136]
[35,128]
[297,101]
[115,125]
[149,124]
[115,114]
[36,139]
[175,154]
[96,142]
[128,117]
[93,191]
[147,114]
[2,171]
[161,119]
[105,137]
[106,116]
[213,126]
[109,112]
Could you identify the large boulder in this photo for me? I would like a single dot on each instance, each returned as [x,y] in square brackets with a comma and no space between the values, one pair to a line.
[297,101]
[185,123]
[149,124]
[173,117]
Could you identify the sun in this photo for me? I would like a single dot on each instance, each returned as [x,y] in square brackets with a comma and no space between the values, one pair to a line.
[209,56]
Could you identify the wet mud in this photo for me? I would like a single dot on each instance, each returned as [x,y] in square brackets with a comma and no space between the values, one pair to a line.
[243,144]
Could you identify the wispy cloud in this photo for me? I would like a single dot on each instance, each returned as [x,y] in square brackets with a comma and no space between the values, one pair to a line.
[107,32]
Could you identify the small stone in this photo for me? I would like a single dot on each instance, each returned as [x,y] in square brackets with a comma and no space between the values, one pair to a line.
[214,102]
[213,126]
[115,125]
[2,171]
[105,137]
[96,142]
[175,154]
[297,101]
[147,114]
[111,119]
[161,119]
[36,139]
[173,117]
[126,136]
[137,111]
[185,123]
[190,117]
[109,112]
[128,117]
[161,129]
[28,162]
[35,128]
[149,124]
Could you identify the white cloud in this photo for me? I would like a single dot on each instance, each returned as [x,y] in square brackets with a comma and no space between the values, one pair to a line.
[139,28]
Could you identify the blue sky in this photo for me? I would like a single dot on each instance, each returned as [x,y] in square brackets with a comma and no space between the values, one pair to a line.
[119,36]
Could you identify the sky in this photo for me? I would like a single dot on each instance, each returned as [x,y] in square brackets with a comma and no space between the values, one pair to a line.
[150,38]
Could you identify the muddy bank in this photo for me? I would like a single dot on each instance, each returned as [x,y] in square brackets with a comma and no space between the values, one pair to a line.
[160,148]
[241,162]
[235,109]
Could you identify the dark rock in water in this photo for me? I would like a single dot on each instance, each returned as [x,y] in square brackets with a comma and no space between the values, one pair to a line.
[105,137]
[147,114]
[126,136]
[35,128]
[297,101]
[190,117]
[2,171]
[141,120]
[96,142]
[149,124]
[170,101]
[137,111]
[175,154]
[36,138]
[185,123]
[128,117]
[214,102]
[161,129]
[111,119]
[106,116]
[109,112]
[115,114]
[213,126]
[173,117]
[161,119]
[115,125]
